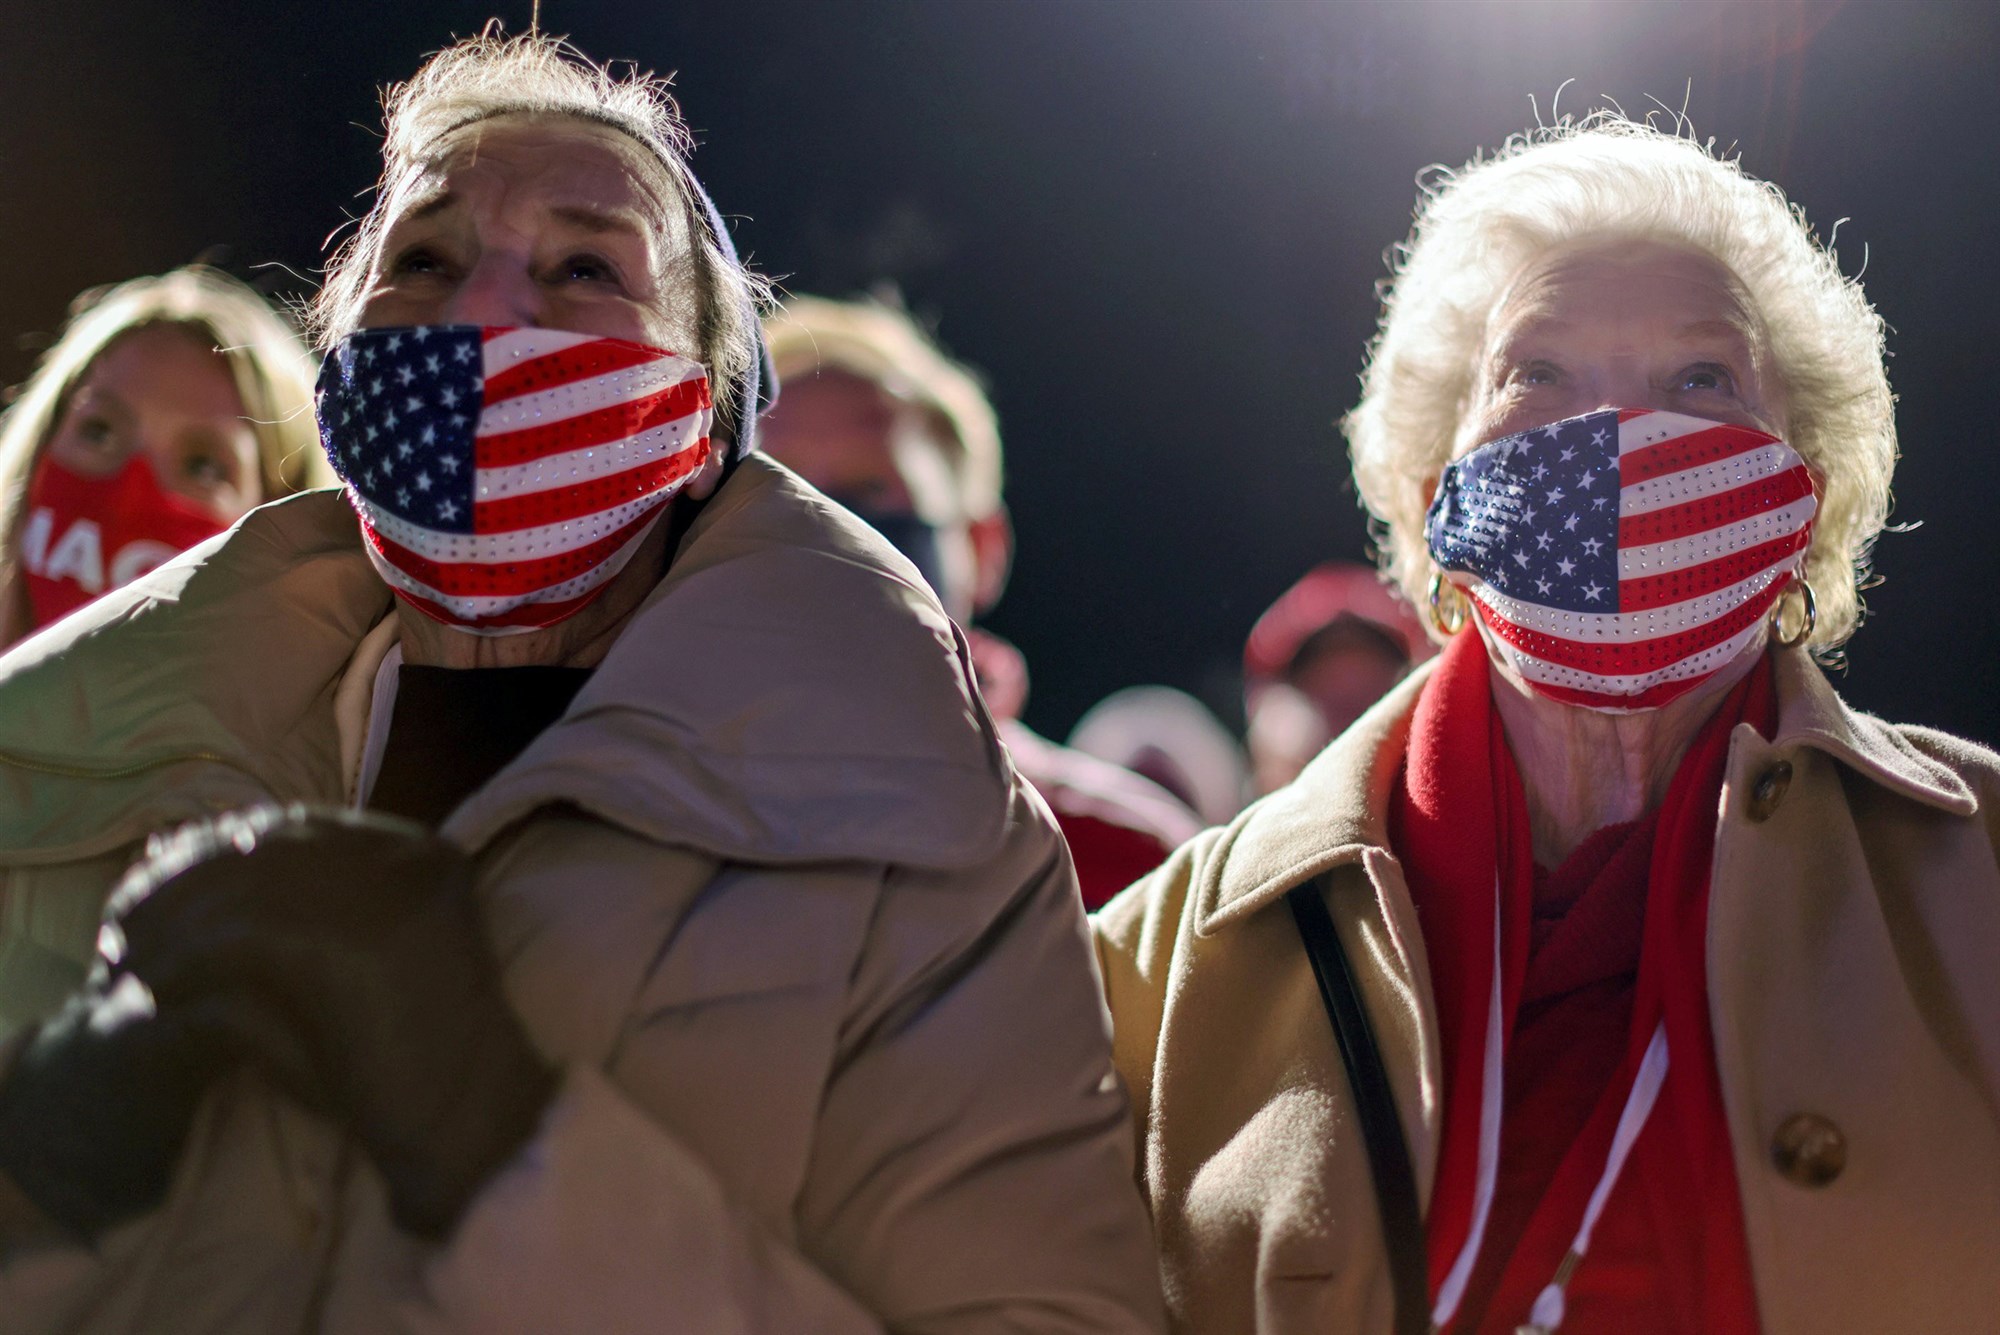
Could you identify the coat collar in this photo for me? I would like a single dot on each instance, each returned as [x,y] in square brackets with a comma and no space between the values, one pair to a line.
[1336,811]
[1812,714]
[220,664]
[790,691]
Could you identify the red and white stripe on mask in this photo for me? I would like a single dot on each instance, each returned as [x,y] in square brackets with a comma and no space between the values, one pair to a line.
[503,476]
[1618,559]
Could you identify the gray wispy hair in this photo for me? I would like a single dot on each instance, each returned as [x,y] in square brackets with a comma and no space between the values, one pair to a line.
[533,74]
[1609,176]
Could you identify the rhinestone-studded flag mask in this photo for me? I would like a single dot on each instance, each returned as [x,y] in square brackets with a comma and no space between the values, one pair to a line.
[504,475]
[1619,558]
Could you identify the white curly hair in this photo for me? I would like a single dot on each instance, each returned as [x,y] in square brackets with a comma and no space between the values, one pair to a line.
[537,75]
[1609,176]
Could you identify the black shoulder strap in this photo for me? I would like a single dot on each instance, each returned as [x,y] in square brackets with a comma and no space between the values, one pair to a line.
[1375,1101]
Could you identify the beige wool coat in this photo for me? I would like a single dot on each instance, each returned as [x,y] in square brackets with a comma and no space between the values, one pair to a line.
[807,949]
[1854,979]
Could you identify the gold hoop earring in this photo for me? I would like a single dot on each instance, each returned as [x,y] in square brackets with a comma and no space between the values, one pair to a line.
[1447,611]
[1806,622]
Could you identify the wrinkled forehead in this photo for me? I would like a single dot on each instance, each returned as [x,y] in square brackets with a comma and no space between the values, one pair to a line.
[556,163]
[1606,277]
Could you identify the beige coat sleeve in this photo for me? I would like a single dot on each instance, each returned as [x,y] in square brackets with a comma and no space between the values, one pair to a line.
[967,1152]
[1136,935]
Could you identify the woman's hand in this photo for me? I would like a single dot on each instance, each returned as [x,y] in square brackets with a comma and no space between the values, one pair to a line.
[96,1103]
[362,936]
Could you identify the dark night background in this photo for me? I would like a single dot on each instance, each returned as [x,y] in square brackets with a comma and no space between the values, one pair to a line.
[1155,225]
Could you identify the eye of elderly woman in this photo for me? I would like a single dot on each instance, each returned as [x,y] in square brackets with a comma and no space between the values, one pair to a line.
[588,268]
[414,261]
[1708,376]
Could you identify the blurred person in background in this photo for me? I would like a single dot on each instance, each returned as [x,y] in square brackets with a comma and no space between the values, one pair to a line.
[880,419]
[1170,737]
[1328,648]
[1611,973]
[167,409]
[624,918]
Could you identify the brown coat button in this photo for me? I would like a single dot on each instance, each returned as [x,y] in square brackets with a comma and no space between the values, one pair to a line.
[1809,1150]
[1769,790]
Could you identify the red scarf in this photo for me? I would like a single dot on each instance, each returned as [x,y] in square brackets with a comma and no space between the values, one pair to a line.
[1667,1253]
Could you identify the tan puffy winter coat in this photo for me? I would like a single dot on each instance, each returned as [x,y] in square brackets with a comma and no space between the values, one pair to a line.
[1854,976]
[807,947]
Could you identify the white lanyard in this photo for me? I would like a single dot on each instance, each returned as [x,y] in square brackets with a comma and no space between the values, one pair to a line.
[1547,1314]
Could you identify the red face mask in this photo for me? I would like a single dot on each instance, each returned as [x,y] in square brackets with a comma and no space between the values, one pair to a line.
[83,536]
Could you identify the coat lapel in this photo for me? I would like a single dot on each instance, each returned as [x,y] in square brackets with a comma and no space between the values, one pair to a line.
[1332,822]
[1811,713]
[1332,815]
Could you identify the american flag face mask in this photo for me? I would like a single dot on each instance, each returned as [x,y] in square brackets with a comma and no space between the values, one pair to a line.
[502,475]
[1618,559]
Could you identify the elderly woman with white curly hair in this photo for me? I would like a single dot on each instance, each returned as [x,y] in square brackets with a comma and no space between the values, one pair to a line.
[718,971]
[1611,974]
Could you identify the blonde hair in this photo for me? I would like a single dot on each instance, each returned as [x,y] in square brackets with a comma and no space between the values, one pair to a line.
[271,368]
[1608,176]
[876,342]
[536,75]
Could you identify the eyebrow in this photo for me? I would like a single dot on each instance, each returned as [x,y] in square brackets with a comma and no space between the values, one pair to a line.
[1702,327]
[599,221]
[1694,329]
[431,207]
[1540,325]
[584,217]
[95,396]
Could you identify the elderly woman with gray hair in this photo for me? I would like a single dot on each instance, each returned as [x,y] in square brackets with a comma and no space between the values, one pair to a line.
[1611,974]
[718,972]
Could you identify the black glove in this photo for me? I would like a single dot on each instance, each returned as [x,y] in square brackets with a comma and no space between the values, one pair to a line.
[364,934]
[96,1106]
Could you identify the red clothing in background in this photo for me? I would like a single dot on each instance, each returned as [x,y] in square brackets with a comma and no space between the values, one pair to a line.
[1119,825]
